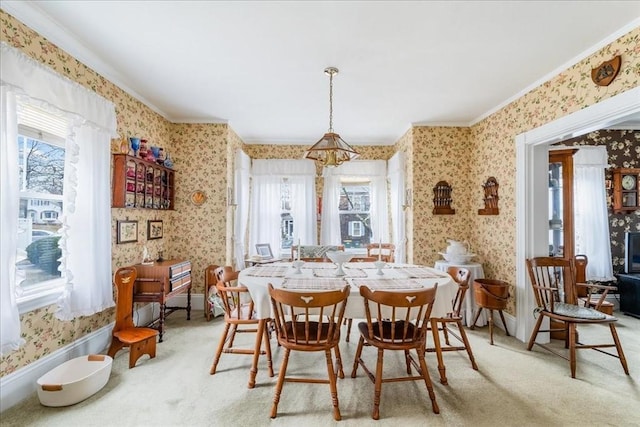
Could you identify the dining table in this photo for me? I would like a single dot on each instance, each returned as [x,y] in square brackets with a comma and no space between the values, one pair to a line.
[322,276]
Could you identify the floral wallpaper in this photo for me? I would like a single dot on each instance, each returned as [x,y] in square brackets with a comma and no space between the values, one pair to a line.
[203,156]
[623,149]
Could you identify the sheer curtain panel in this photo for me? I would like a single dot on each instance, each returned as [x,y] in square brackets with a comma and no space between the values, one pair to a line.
[86,219]
[590,211]
[395,176]
[241,185]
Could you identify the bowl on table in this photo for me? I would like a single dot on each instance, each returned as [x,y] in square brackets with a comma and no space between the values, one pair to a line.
[339,257]
[458,258]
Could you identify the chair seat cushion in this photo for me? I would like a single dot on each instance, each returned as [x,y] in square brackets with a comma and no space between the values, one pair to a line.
[313,336]
[399,331]
[572,310]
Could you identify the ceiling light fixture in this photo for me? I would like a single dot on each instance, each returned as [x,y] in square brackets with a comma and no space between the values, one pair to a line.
[331,150]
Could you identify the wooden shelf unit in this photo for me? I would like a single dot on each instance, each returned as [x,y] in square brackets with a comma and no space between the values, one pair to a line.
[490,197]
[138,183]
[442,199]
[160,281]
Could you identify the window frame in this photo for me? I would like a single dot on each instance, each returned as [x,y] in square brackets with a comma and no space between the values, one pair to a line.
[46,292]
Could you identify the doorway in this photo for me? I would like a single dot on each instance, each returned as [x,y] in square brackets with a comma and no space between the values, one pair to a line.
[532,165]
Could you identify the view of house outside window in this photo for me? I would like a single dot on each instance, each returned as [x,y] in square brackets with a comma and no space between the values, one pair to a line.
[355,215]
[40,160]
[286,222]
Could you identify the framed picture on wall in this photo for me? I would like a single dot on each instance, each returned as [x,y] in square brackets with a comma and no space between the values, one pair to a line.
[154,229]
[127,231]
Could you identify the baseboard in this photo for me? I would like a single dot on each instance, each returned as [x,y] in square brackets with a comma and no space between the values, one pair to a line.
[21,384]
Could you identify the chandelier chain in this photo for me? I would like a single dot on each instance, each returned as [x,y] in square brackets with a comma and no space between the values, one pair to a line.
[331,102]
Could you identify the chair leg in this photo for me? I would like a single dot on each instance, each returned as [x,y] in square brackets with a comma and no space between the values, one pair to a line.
[436,342]
[616,340]
[234,329]
[140,348]
[445,332]
[572,348]
[467,346]
[115,347]
[427,380]
[256,352]
[356,359]
[378,386]
[267,344]
[475,319]
[504,323]
[534,333]
[216,358]
[348,322]
[281,376]
[333,386]
[339,370]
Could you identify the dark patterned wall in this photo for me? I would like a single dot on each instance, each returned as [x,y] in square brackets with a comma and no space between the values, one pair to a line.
[623,148]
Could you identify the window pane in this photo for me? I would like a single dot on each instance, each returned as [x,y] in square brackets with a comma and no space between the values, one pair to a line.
[355,217]
[41,168]
[286,222]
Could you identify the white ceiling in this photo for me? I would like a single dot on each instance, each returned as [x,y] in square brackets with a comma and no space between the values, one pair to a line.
[259,65]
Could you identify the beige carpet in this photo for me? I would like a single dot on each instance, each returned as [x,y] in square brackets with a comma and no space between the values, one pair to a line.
[512,387]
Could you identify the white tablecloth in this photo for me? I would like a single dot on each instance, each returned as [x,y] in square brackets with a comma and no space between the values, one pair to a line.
[469,307]
[258,286]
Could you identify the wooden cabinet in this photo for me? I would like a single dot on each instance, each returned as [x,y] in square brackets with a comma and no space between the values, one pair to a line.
[625,190]
[138,183]
[160,281]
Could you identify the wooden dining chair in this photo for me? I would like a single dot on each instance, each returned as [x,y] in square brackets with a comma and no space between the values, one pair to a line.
[385,250]
[140,340]
[210,281]
[555,290]
[307,322]
[442,324]
[239,317]
[396,321]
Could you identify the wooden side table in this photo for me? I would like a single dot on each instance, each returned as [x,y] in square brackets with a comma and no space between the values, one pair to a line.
[161,281]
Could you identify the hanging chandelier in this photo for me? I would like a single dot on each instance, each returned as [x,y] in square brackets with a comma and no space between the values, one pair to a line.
[331,150]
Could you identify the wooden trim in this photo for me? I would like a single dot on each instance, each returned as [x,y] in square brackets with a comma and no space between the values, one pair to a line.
[565,157]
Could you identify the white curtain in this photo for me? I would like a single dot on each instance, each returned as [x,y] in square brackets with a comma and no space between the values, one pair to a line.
[590,211]
[376,172]
[266,207]
[241,220]
[86,219]
[395,176]
[9,206]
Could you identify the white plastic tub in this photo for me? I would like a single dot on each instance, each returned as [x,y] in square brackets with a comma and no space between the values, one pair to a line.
[74,380]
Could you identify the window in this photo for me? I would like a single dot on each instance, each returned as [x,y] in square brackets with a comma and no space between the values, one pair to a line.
[355,217]
[286,222]
[41,161]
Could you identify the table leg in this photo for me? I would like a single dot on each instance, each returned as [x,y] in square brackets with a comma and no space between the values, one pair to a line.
[189,303]
[256,353]
[163,307]
[436,342]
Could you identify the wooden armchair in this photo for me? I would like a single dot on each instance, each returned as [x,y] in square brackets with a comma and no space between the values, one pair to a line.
[140,340]
[309,321]
[384,250]
[554,287]
[239,317]
[442,324]
[396,321]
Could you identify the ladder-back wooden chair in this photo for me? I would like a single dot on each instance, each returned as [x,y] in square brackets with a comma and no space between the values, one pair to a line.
[309,321]
[125,333]
[396,320]
[555,290]
[239,317]
[442,324]
[385,251]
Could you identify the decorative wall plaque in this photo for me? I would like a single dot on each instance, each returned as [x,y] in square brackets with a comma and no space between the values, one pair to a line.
[604,74]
